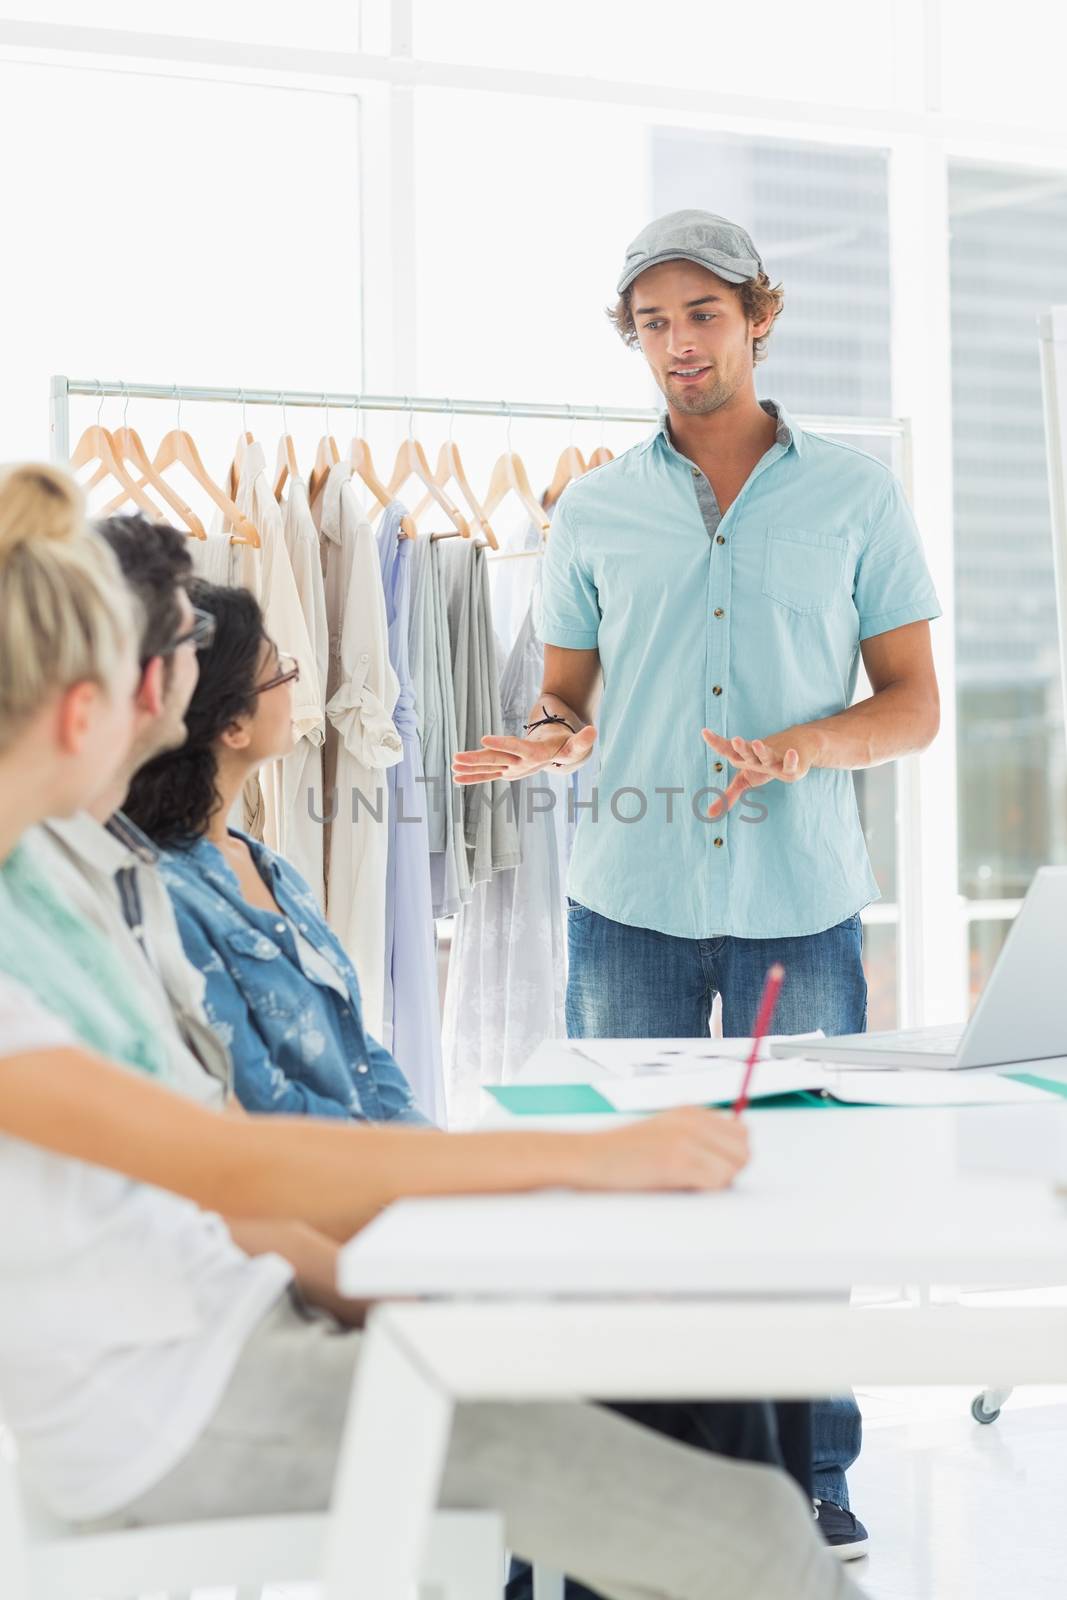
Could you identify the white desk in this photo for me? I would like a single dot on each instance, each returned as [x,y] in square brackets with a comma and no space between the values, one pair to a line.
[624,1296]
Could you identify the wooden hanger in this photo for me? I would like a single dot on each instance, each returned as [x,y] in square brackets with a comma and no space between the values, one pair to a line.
[285,464]
[450,468]
[411,462]
[509,477]
[177,448]
[600,457]
[327,455]
[128,447]
[570,465]
[96,444]
[237,465]
[362,464]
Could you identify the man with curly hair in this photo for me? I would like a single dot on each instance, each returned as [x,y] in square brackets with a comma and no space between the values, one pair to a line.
[707,597]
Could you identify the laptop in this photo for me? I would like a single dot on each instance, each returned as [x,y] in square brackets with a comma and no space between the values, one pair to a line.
[1021,1013]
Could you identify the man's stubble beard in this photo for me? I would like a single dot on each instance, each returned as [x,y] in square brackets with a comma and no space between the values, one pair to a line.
[700,403]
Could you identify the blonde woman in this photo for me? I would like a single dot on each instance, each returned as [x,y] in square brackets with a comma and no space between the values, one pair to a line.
[152,1371]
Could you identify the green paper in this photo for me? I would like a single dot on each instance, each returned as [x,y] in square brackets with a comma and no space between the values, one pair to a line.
[578,1099]
[1049,1085]
[549,1099]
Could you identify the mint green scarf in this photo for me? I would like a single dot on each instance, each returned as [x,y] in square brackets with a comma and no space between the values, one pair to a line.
[47,946]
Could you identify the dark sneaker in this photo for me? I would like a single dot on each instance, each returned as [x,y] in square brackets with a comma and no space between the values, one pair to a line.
[844,1533]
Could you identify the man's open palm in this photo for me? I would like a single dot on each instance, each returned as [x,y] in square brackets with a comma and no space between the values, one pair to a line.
[508,759]
[760,761]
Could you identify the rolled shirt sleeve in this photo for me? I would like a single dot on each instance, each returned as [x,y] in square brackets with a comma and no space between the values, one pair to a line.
[892,585]
[570,605]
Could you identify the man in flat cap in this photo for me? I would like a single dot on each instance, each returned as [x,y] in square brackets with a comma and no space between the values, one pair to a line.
[715,588]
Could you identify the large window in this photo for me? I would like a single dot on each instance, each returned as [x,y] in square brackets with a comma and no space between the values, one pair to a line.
[1009,264]
[819,215]
[822,50]
[190,232]
[313,24]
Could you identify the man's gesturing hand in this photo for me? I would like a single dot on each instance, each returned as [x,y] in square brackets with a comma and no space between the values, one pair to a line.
[507,758]
[785,756]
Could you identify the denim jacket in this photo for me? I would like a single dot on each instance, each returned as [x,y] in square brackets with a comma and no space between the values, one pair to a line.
[298,1046]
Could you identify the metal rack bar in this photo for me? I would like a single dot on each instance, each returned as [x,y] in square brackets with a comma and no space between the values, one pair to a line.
[63,388]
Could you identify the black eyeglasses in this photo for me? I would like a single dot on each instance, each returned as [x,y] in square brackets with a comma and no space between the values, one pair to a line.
[288,672]
[201,634]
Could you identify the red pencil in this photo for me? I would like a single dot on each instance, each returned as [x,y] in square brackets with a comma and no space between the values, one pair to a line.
[771,986]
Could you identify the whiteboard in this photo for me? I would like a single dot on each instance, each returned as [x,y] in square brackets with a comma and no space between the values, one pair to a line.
[1054,385]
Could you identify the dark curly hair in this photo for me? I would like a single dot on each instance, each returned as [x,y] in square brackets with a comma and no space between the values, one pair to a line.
[174,797]
[156,563]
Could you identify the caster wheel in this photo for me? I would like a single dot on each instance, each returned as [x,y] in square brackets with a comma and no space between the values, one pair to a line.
[979,1412]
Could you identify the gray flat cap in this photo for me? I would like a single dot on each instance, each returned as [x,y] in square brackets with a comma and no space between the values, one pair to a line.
[699,236]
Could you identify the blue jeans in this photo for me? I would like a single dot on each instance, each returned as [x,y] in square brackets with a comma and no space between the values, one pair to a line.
[634,983]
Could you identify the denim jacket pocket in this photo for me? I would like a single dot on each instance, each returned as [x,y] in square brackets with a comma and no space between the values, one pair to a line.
[261,972]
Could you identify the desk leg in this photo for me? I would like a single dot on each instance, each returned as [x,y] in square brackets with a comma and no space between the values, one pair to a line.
[388,1474]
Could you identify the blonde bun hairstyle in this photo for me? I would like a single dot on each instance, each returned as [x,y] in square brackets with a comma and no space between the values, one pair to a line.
[66,614]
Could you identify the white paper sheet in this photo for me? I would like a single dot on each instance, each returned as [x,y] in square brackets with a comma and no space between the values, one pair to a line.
[628,1057]
[716,1083]
[719,1083]
[903,1088]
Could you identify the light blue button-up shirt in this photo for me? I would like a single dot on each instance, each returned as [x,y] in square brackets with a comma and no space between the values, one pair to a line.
[745,623]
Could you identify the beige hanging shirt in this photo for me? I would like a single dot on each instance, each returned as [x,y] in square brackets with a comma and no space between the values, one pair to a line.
[300,776]
[361,738]
[268,572]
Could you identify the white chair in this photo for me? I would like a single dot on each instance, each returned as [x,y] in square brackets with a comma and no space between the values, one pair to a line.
[42,1560]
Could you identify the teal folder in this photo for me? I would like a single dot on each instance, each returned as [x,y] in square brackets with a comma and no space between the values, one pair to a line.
[576,1099]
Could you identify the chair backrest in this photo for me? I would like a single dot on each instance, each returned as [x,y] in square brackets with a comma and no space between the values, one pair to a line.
[14,1561]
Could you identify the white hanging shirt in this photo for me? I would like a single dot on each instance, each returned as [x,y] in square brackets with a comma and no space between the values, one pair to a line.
[123,1310]
[361,738]
[300,796]
[268,572]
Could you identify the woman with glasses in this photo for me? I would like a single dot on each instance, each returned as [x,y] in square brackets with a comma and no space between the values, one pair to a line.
[280,990]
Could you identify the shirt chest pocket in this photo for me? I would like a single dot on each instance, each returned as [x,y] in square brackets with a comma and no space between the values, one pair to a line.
[264,976]
[804,571]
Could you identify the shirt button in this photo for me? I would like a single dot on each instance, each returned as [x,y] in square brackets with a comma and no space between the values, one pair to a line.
[718,843]
[363,1065]
[720,538]
[696,472]
[303,927]
[718,766]
[279,927]
[717,689]
[719,612]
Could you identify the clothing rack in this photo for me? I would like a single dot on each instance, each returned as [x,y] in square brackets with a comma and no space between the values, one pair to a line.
[908,795]
[62,388]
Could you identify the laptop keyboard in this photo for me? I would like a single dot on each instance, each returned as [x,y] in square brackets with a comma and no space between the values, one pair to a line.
[927,1042]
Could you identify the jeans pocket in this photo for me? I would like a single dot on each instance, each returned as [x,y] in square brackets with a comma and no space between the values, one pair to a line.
[576,912]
